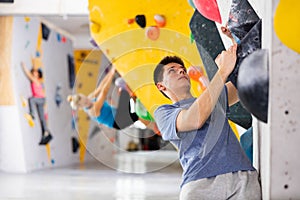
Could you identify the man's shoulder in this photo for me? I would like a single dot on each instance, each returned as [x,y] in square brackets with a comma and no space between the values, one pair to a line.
[165,107]
[166,113]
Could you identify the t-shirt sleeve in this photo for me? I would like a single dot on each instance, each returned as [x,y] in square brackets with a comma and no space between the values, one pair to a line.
[165,118]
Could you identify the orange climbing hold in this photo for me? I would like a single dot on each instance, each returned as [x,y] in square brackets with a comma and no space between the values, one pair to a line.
[160,20]
[152,32]
[197,75]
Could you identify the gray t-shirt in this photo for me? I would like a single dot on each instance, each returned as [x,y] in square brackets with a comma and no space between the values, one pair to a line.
[209,151]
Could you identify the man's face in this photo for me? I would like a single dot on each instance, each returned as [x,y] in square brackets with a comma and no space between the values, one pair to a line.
[175,78]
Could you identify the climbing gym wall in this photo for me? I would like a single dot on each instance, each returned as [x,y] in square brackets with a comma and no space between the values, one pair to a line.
[135,37]
[280,137]
[40,47]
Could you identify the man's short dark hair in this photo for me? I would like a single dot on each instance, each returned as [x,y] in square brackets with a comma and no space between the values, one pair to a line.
[159,69]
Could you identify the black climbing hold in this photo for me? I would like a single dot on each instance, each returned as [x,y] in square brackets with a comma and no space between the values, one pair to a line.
[45,32]
[141,20]
[242,18]
[75,144]
[250,43]
[209,44]
[253,84]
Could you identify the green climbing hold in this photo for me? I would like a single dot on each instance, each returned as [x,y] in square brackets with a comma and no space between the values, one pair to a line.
[141,111]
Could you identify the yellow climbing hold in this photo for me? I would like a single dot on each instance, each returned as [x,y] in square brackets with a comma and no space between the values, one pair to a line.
[29,119]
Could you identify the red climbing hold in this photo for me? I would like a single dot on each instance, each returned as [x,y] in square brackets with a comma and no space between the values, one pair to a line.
[209,9]
[130,21]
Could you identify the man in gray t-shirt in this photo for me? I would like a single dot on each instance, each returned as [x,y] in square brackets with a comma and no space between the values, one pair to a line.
[214,164]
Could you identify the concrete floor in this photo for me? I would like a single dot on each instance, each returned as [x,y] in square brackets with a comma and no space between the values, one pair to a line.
[95,181]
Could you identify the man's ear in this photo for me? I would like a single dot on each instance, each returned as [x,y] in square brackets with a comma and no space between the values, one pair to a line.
[160,86]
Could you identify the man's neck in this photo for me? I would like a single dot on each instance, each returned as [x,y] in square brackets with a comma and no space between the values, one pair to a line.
[181,97]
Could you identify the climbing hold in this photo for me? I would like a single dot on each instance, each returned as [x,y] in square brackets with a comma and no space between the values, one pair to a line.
[253,84]
[27,19]
[95,27]
[192,38]
[209,44]
[45,32]
[93,42]
[242,18]
[160,20]
[37,54]
[94,132]
[58,98]
[250,43]
[130,21]
[27,44]
[209,9]
[152,32]
[141,111]
[194,72]
[58,37]
[64,39]
[197,75]
[246,141]
[24,101]
[29,119]
[119,82]
[141,20]
[75,144]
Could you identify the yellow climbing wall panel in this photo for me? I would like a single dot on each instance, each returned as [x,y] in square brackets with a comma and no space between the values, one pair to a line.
[87,65]
[131,52]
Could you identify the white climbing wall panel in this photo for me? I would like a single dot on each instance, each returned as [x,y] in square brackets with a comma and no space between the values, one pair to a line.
[280,137]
